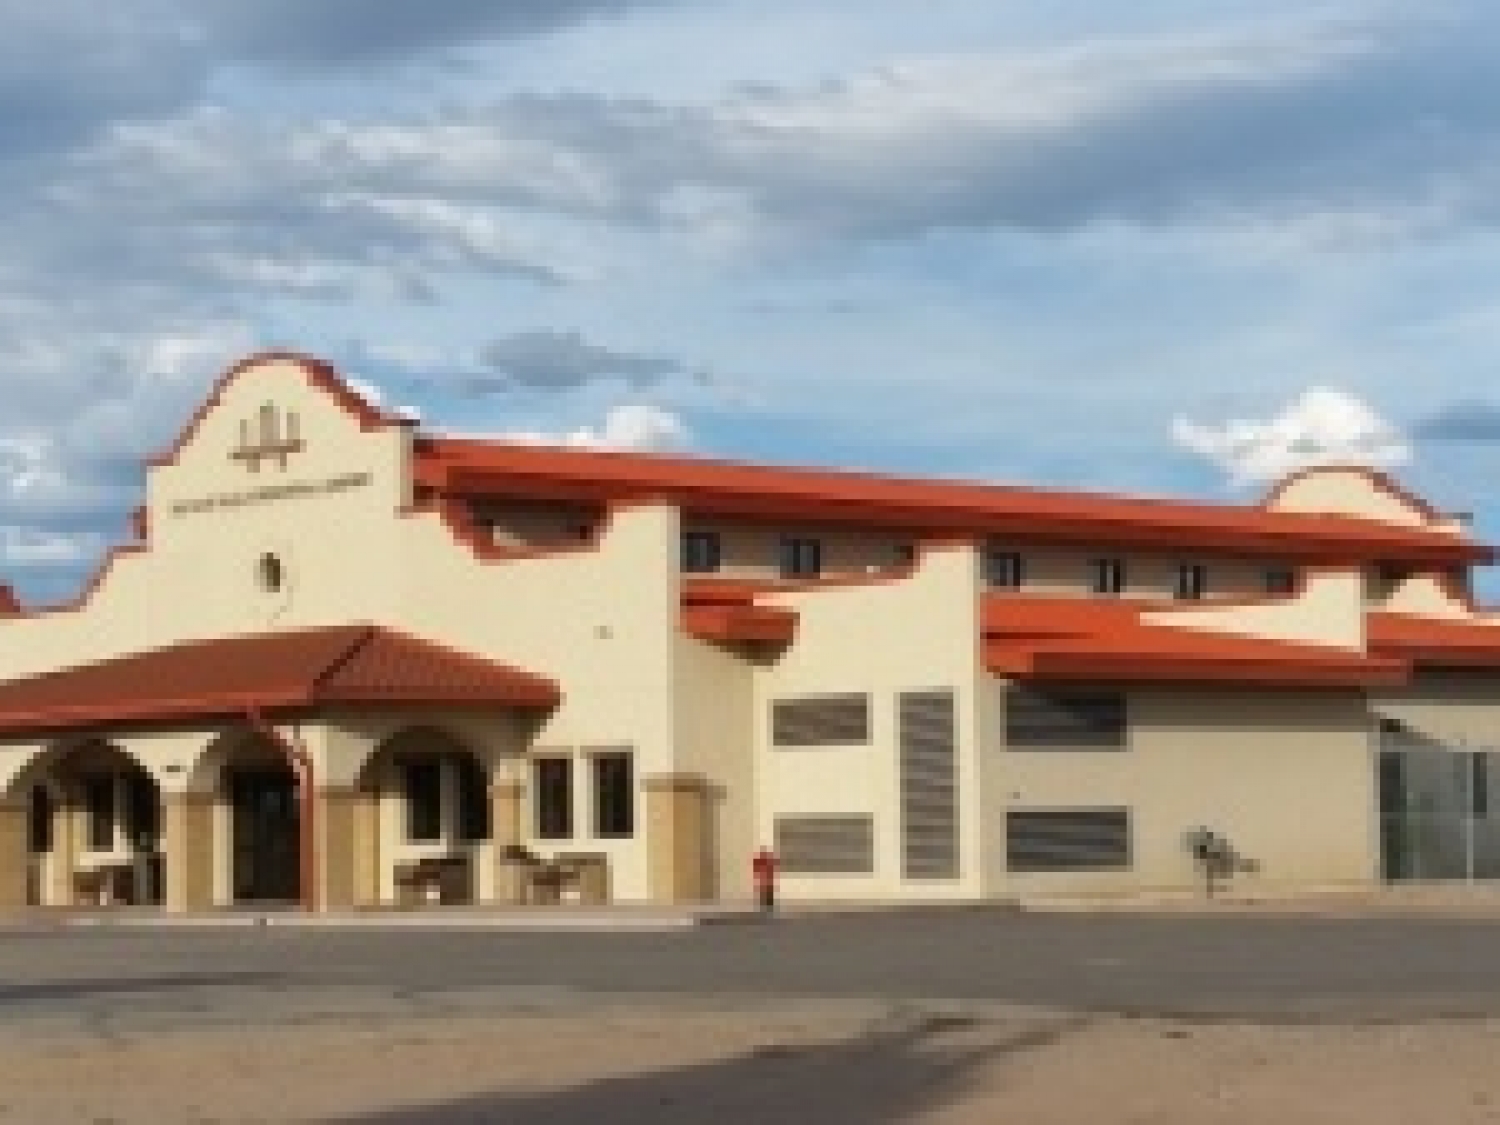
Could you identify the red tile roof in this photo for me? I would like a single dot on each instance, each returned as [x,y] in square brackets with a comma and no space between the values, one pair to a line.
[1080,639]
[726,612]
[458,466]
[349,664]
[1435,642]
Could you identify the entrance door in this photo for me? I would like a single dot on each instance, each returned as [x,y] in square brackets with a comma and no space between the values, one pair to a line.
[1437,814]
[267,836]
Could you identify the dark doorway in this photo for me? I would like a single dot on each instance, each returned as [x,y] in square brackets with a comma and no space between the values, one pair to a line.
[267,832]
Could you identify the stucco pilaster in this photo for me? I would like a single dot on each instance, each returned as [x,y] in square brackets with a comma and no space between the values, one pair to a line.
[14,858]
[188,841]
[346,847]
[676,837]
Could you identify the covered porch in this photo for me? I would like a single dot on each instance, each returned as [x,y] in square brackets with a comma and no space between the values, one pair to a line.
[328,768]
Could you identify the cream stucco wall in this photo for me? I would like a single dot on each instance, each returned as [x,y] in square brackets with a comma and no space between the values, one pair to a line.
[912,634]
[1288,778]
[714,698]
[1457,707]
[601,622]
[1328,610]
[1426,595]
[336,536]
[1352,492]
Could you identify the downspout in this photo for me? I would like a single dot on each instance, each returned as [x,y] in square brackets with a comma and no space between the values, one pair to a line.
[307,841]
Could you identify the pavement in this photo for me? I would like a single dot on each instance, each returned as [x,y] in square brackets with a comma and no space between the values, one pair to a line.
[1232,965]
[1225,1016]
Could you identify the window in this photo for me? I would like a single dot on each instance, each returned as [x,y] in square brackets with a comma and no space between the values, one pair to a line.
[1279,581]
[826,845]
[1004,570]
[614,795]
[422,783]
[1192,581]
[99,803]
[40,820]
[142,817]
[801,558]
[1067,839]
[928,736]
[1107,575]
[1053,720]
[701,552]
[903,554]
[473,799]
[554,798]
[272,573]
[821,720]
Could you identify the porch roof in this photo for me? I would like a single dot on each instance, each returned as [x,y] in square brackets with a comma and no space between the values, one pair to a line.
[1081,639]
[1437,642]
[276,672]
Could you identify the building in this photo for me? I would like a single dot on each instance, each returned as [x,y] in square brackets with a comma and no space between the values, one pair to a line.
[347,663]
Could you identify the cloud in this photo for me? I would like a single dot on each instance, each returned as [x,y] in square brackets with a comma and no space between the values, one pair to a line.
[550,360]
[295,33]
[1471,420]
[35,549]
[1323,426]
[635,427]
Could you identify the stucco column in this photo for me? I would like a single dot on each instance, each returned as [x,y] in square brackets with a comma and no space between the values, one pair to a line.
[347,847]
[677,837]
[188,850]
[508,828]
[14,857]
[62,859]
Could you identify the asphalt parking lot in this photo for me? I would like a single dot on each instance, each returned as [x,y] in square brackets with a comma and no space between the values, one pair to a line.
[1291,969]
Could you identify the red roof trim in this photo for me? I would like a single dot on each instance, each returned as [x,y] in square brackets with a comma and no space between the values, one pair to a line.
[467,467]
[1081,639]
[319,373]
[301,670]
[1435,642]
[1139,667]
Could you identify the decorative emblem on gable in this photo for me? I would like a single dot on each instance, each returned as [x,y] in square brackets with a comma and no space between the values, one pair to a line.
[273,437]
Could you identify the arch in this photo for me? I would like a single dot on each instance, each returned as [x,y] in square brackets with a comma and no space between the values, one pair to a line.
[262,845]
[95,825]
[429,790]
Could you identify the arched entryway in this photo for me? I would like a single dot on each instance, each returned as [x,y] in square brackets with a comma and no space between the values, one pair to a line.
[430,793]
[94,827]
[259,802]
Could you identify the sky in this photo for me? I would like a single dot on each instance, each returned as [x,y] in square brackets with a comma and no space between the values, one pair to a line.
[1171,247]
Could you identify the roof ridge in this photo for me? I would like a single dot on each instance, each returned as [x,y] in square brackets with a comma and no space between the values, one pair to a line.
[363,635]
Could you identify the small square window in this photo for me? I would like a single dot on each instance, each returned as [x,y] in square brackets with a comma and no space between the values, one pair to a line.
[1192,581]
[422,786]
[614,795]
[554,798]
[1004,570]
[99,801]
[801,557]
[1279,581]
[701,552]
[1107,575]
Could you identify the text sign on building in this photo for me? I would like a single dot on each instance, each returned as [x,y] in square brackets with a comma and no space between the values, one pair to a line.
[274,437]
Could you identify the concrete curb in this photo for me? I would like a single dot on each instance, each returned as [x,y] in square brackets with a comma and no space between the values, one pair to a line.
[548,920]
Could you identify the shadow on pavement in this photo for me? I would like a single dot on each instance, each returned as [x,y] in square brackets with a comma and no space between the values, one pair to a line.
[86,987]
[883,1076]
